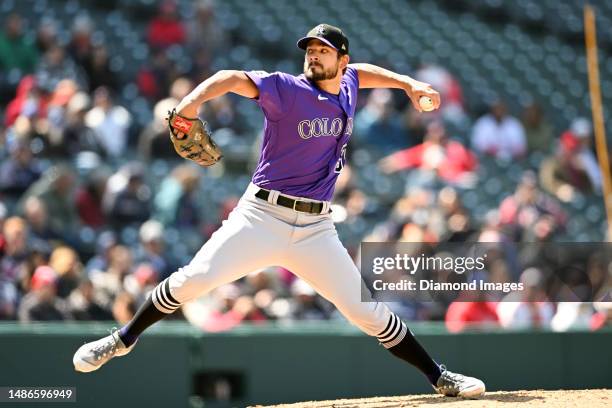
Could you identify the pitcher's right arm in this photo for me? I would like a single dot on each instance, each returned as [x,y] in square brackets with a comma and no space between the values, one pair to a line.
[219,84]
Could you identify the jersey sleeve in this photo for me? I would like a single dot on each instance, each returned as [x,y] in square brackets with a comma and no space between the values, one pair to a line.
[350,81]
[351,77]
[276,92]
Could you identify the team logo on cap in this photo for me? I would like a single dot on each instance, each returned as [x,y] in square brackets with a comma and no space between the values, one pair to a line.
[321,30]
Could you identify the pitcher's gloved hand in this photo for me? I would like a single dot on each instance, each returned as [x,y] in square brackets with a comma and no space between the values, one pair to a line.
[192,140]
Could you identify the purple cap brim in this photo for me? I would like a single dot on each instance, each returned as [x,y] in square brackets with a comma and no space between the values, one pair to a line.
[303,42]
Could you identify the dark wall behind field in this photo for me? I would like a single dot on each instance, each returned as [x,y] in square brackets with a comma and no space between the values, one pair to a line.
[263,365]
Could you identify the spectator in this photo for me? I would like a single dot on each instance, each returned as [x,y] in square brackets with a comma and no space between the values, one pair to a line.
[16,51]
[65,262]
[263,279]
[99,262]
[599,264]
[307,304]
[141,282]
[582,129]
[499,134]
[3,213]
[89,199]
[152,249]
[127,197]
[110,123]
[56,66]
[42,303]
[356,205]
[46,35]
[440,79]
[528,308]
[30,103]
[464,314]
[529,208]
[436,157]
[563,174]
[59,99]
[378,126]
[179,89]
[19,171]
[416,124]
[155,77]
[80,47]
[166,29]
[38,254]
[109,283]
[176,203]
[124,307]
[230,309]
[538,130]
[77,136]
[203,32]
[83,304]
[603,316]
[416,204]
[14,255]
[205,38]
[572,315]
[269,293]
[450,220]
[55,189]
[98,70]
[220,113]
[35,213]
[153,141]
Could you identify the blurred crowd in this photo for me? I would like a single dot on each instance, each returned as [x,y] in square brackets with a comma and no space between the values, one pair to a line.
[562,285]
[86,228]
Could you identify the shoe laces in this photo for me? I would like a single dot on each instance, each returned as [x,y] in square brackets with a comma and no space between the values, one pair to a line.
[108,348]
[449,378]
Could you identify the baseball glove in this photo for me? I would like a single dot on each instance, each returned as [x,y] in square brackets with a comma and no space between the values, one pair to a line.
[192,140]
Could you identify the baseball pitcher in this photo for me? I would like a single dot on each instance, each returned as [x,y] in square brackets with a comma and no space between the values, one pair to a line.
[284,218]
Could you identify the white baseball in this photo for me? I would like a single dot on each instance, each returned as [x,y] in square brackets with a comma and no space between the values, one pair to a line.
[426,103]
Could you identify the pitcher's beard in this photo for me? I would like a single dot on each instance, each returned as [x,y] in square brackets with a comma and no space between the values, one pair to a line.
[318,74]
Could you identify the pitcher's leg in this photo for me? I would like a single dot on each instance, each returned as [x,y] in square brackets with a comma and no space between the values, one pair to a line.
[246,241]
[323,262]
[223,259]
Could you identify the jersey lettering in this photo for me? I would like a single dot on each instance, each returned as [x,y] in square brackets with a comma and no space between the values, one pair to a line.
[341,160]
[321,127]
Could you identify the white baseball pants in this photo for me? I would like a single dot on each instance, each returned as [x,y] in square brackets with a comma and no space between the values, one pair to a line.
[258,234]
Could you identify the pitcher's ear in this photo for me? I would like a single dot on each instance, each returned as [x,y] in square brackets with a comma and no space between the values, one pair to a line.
[346,58]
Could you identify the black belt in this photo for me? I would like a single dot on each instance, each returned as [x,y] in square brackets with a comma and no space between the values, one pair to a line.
[296,205]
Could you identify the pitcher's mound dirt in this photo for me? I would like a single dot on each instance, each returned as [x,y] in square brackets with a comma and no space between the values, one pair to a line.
[507,399]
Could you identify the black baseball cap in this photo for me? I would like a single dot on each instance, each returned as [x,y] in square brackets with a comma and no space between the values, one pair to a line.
[330,35]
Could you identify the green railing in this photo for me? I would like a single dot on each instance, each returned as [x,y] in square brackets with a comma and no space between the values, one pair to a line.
[175,365]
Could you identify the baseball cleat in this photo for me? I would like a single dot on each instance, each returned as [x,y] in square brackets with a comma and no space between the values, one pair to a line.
[91,356]
[458,385]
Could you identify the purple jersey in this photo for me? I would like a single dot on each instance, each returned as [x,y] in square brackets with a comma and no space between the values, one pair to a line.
[306,131]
